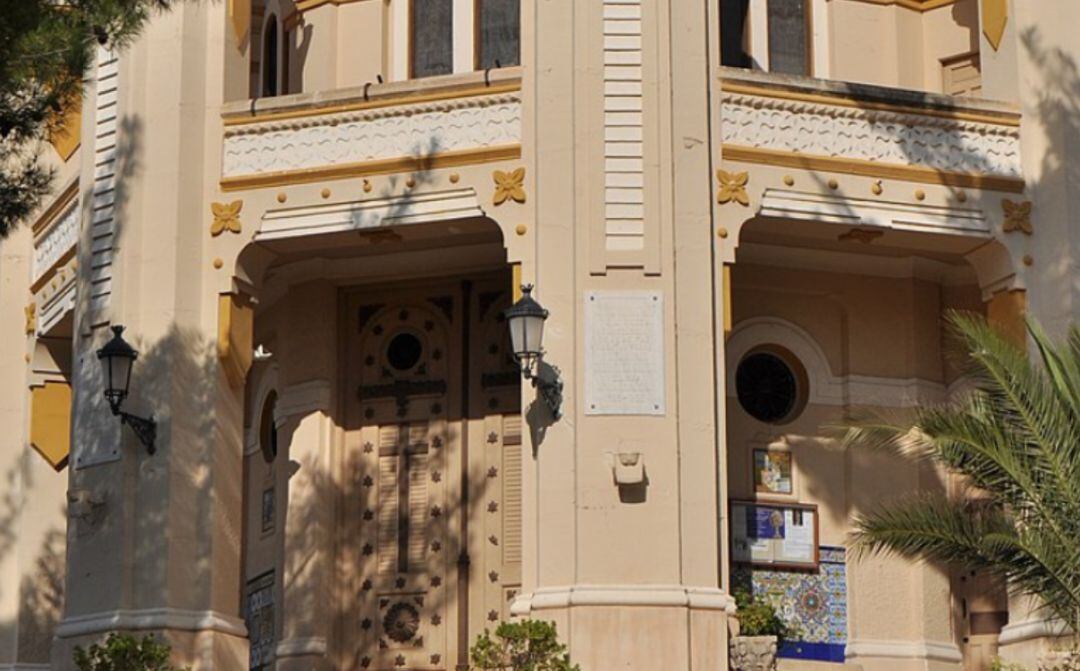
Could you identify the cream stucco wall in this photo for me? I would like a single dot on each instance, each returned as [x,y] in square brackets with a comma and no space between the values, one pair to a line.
[633,583]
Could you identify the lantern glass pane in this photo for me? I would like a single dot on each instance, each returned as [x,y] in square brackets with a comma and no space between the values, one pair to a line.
[120,373]
[517,334]
[534,334]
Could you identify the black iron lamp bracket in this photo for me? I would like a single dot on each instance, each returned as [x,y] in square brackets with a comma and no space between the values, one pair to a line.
[145,429]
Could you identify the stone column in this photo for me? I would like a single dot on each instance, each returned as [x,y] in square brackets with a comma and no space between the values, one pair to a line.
[307,355]
[619,97]
[154,539]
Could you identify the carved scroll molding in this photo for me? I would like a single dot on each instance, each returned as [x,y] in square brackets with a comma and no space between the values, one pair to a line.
[815,127]
[406,131]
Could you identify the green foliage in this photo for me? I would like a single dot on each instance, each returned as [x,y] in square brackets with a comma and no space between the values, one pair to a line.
[758,617]
[46,47]
[1016,438]
[122,652]
[528,645]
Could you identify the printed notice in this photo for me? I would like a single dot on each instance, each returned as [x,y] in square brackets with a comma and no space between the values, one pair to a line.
[624,353]
[799,546]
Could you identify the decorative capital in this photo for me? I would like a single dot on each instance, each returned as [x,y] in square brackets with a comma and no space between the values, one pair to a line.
[1017,216]
[226,217]
[732,187]
[509,185]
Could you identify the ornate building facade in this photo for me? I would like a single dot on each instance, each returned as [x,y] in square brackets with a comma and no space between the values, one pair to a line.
[746,219]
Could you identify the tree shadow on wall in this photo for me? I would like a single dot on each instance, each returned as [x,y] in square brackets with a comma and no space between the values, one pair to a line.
[162,521]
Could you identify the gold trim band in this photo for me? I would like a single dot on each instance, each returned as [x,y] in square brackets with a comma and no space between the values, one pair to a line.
[1010,119]
[447,159]
[854,166]
[56,208]
[241,119]
[917,5]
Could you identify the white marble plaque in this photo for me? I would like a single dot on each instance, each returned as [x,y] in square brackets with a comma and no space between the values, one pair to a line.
[624,353]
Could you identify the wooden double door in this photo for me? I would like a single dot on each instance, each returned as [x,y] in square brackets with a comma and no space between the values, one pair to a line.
[431,523]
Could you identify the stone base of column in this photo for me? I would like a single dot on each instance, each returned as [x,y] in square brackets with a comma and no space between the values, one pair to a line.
[1032,641]
[905,655]
[636,627]
[302,654]
[200,640]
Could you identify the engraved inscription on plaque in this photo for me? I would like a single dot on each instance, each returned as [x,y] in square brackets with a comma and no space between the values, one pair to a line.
[624,353]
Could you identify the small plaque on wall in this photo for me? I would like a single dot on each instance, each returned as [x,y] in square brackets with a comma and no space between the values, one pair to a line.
[624,353]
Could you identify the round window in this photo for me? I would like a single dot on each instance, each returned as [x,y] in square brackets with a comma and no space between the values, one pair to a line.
[768,387]
[267,428]
[404,351]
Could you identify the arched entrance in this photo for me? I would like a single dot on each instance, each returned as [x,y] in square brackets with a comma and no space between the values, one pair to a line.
[394,531]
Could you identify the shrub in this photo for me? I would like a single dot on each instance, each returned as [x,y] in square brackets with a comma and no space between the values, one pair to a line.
[528,645]
[122,652]
[759,618]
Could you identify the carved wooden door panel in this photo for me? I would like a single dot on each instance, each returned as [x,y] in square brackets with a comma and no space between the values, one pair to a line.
[398,554]
[430,535]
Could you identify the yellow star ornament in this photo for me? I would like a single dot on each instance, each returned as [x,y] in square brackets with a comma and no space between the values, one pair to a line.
[1017,216]
[732,187]
[226,217]
[509,185]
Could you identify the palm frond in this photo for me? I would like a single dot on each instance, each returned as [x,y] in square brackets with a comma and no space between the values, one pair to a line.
[1016,439]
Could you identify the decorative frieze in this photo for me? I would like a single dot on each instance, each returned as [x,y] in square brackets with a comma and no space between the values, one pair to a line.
[804,123]
[57,240]
[396,132]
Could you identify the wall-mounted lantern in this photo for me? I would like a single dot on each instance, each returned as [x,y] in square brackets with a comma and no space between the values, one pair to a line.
[525,319]
[117,358]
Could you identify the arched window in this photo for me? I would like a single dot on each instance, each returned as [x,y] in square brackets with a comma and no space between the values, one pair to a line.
[268,429]
[270,56]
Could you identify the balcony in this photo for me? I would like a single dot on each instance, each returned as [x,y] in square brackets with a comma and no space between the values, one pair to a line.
[873,131]
[53,269]
[375,129]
